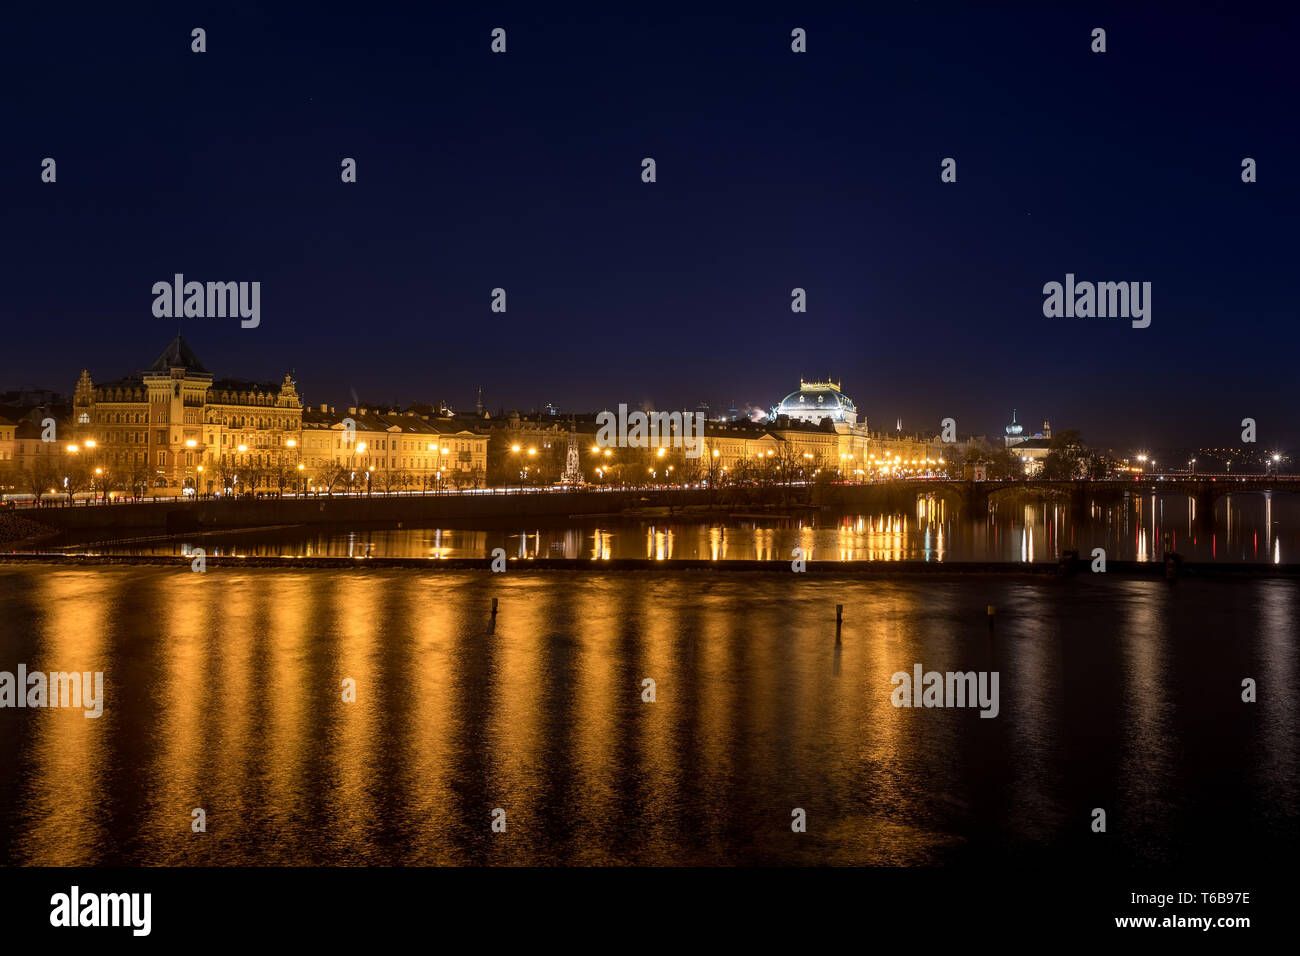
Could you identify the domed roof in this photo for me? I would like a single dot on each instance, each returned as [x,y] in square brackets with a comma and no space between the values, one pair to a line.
[817,400]
[1015,428]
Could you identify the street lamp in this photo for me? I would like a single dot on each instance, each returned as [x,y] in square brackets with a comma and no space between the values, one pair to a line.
[297,458]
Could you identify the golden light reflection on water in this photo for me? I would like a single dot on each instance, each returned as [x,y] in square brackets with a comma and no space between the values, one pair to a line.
[1249,527]
[285,652]
[65,817]
[183,699]
[427,785]
[604,687]
[659,729]
[523,692]
[356,623]
[224,693]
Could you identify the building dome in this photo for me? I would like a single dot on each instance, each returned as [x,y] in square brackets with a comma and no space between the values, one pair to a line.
[815,401]
[1015,428]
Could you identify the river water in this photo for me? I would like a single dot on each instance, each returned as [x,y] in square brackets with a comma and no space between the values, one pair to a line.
[223,692]
[1245,528]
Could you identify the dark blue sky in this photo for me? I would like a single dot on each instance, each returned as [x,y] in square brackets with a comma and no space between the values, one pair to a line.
[775,170]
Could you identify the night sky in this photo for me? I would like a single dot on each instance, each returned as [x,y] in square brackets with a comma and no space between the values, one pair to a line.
[775,170]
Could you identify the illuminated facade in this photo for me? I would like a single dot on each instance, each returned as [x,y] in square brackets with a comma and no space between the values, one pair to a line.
[8,444]
[173,428]
[851,447]
[1029,449]
[389,451]
[814,403]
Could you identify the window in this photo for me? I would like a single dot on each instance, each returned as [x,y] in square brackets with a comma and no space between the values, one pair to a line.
[162,459]
[83,419]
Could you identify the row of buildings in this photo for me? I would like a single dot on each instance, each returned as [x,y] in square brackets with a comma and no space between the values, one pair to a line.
[175,428]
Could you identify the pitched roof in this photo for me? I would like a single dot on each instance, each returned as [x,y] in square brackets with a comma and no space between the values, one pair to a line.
[177,354]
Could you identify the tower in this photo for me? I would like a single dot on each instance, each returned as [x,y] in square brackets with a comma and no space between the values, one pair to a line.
[572,470]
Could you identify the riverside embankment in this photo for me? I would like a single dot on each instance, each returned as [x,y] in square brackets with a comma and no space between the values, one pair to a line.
[179,517]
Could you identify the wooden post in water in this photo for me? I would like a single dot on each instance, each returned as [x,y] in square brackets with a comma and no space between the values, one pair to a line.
[492,628]
[839,620]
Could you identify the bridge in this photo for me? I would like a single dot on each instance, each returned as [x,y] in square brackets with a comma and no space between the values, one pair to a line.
[1204,489]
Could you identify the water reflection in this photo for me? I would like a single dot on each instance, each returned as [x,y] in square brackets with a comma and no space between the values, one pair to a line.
[1251,528]
[225,692]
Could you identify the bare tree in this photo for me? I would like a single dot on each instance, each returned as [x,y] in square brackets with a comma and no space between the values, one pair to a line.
[137,478]
[394,480]
[39,478]
[76,476]
[335,475]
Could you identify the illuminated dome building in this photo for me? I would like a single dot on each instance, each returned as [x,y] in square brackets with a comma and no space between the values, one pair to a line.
[1014,430]
[1030,449]
[822,409]
[815,401]
[1017,437]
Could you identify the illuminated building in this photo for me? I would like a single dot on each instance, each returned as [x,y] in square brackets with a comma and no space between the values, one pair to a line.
[173,428]
[1029,449]
[816,402]
[852,448]
[368,449]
